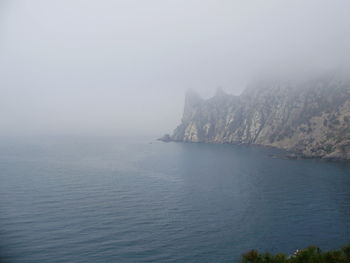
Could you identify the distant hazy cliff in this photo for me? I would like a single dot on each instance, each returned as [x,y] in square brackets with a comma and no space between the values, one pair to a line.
[308,117]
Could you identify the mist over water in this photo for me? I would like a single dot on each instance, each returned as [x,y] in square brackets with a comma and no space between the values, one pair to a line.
[120,67]
[111,200]
[85,88]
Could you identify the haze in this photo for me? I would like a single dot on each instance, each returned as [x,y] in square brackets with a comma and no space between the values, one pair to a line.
[117,67]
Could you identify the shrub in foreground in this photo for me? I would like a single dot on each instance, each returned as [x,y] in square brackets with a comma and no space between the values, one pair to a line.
[308,255]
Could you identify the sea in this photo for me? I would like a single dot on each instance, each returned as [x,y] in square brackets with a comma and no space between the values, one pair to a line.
[130,200]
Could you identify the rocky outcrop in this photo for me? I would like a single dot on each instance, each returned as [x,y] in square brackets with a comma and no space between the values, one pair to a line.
[310,117]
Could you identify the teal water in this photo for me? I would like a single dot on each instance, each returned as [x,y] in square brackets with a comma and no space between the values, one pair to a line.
[72,199]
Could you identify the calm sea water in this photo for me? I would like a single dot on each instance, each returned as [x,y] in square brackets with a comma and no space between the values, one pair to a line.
[116,200]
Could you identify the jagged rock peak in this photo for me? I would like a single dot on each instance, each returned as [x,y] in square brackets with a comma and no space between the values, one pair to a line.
[192,96]
[310,117]
[192,101]
[220,92]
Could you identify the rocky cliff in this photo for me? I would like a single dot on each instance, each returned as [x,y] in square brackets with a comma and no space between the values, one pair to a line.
[310,117]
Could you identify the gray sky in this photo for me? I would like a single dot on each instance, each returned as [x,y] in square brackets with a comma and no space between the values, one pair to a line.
[123,66]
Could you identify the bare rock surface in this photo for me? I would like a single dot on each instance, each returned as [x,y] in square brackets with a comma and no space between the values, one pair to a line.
[310,117]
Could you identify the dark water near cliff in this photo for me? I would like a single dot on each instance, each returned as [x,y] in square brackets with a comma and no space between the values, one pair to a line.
[113,200]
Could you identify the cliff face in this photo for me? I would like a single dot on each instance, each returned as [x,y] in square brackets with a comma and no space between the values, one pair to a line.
[310,117]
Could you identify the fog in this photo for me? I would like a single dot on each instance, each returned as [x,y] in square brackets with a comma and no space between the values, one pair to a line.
[122,67]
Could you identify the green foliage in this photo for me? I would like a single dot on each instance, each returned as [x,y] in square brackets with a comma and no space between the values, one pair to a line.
[308,255]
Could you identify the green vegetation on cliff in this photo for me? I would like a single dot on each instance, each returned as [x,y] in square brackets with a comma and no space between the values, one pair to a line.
[307,255]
